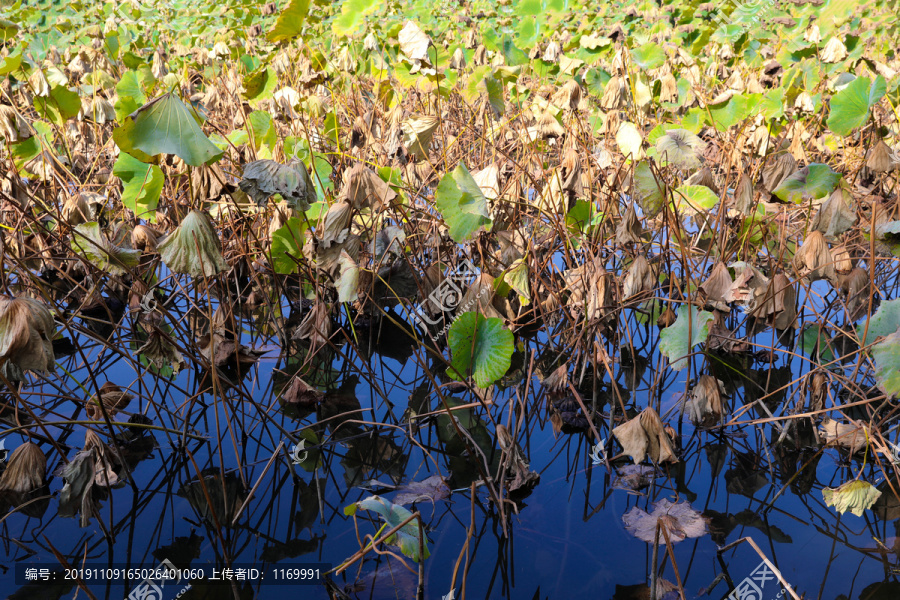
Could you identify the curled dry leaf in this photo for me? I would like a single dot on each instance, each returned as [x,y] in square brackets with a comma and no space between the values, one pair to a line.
[855,496]
[777,303]
[879,158]
[777,170]
[835,215]
[717,288]
[629,229]
[112,398]
[337,220]
[414,42]
[25,470]
[417,133]
[853,436]
[645,436]
[301,393]
[13,127]
[706,405]
[640,278]
[26,331]
[834,51]
[364,189]
[813,259]
[263,178]
[193,248]
[680,521]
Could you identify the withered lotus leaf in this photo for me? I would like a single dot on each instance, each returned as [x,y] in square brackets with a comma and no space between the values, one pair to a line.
[26,331]
[193,248]
[645,436]
[25,471]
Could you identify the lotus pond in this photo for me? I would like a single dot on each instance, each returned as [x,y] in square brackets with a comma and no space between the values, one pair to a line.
[508,299]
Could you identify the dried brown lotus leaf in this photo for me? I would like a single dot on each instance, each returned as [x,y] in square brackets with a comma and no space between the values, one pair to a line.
[25,469]
[629,229]
[853,436]
[26,331]
[645,436]
[843,262]
[776,303]
[161,352]
[590,288]
[77,209]
[615,95]
[703,177]
[834,51]
[414,42]
[640,278]
[855,289]
[417,133]
[743,195]
[706,404]
[316,326]
[301,393]
[568,96]
[835,215]
[813,259]
[777,170]
[113,399]
[363,188]
[458,60]
[336,227]
[717,288]
[879,158]
[144,238]
[549,127]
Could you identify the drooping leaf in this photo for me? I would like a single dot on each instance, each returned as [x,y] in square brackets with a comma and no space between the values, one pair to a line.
[481,344]
[855,496]
[263,178]
[289,22]
[649,192]
[26,334]
[193,248]
[165,125]
[850,107]
[142,185]
[883,323]
[689,329]
[407,537]
[287,246]
[462,204]
[809,183]
[887,364]
[694,199]
[60,106]
[89,240]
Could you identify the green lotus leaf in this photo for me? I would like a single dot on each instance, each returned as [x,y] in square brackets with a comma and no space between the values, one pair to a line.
[407,537]
[809,183]
[850,107]
[289,22]
[649,192]
[883,323]
[689,329]
[886,354]
[462,204]
[142,185]
[165,125]
[91,243]
[193,248]
[481,344]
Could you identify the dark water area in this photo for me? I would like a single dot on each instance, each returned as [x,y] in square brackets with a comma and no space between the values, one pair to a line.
[278,507]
